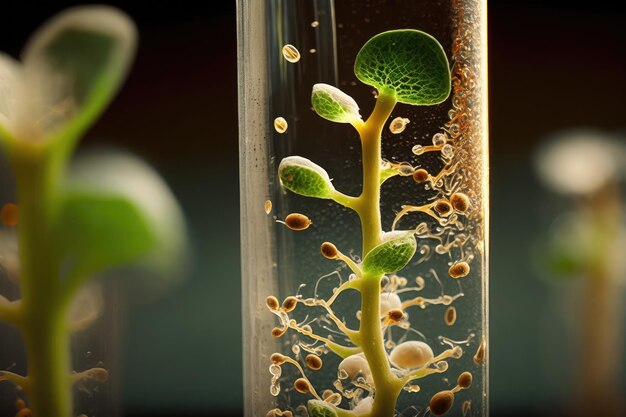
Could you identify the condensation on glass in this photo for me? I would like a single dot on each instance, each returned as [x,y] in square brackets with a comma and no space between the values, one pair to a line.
[438,302]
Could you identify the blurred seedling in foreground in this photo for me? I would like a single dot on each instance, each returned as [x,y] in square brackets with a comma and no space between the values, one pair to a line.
[410,67]
[71,224]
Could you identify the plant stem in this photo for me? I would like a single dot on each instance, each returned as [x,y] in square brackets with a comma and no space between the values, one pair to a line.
[368,208]
[46,336]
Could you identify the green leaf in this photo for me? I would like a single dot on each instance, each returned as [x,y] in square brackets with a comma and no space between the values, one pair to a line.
[73,65]
[395,251]
[319,408]
[408,63]
[99,231]
[303,177]
[333,104]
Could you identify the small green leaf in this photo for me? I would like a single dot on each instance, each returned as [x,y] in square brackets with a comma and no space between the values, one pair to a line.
[395,251]
[99,230]
[303,177]
[73,65]
[333,104]
[319,408]
[408,63]
[387,173]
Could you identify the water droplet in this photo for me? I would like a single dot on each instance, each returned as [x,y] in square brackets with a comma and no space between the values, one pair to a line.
[291,53]
[398,125]
[439,139]
[280,125]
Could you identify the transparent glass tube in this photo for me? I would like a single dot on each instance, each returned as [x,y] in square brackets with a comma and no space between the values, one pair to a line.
[407,343]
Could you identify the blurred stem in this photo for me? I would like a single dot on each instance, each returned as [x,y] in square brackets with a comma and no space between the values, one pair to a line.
[46,337]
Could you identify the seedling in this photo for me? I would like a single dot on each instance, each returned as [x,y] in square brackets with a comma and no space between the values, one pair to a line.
[409,67]
[69,229]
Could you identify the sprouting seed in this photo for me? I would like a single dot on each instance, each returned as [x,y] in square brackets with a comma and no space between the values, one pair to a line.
[395,315]
[302,385]
[443,207]
[441,402]
[279,331]
[280,124]
[398,125]
[313,362]
[459,270]
[272,303]
[277,359]
[450,316]
[420,175]
[460,202]
[465,380]
[289,304]
[329,250]
[297,221]
[9,215]
[291,53]
[479,357]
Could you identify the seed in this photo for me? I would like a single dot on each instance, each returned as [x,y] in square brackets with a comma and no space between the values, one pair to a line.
[291,54]
[459,270]
[441,402]
[297,221]
[465,380]
[278,331]
[98,374]
[443,207]
[272,303]
[9,215]
[439,139]
[302,385]
[268,206]
[277,359]
[313,362]
[411,355]
[20,404]
[398,125]
[24,412]
[280,125]
[287,413]
[450,316]
[420,175]
[315,24]
[389,301]
[289,304]
[460,202]
[395,315]
[273,413]
[479,357]
[329,250]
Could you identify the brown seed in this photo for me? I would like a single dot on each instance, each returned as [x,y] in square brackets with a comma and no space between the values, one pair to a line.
[459,270]
[279,331]
[313,362]
[302,385]
[441,402]
[329,250]
[460,202]
[450,316]
[395,315]
[290,304]
[98,374]
[9,215]
[443,207]
[297,221]
[479,357]
[272,303]
[277,359]
[268,206]
[465,380]
[420,175]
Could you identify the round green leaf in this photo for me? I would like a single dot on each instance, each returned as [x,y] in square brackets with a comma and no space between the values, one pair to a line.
[395,251]
[319,408]
[333,104]
[304,177]
[408,63]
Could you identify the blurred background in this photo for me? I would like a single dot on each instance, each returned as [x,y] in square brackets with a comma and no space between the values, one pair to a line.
[557,70]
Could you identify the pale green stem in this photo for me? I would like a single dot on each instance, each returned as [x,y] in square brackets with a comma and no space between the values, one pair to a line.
[368,208]
[44,330]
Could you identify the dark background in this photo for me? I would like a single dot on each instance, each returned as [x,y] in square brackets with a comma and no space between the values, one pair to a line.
[553,65]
